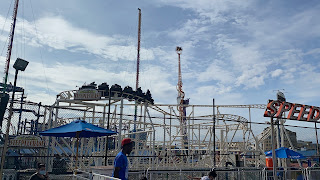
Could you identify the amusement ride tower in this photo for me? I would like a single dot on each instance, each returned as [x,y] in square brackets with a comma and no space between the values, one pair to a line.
[181,104]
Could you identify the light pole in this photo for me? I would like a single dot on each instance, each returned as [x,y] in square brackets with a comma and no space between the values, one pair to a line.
[214,134]
[21,65]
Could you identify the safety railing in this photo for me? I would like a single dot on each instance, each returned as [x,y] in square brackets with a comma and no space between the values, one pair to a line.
[81,175]
[96,176]
[9,174]
[222,173]
[285,173]
[311,173]
[88,175]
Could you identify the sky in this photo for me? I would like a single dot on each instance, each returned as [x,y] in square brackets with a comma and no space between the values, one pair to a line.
[236,51]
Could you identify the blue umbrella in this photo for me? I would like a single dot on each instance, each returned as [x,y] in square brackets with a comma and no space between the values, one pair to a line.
[77,129]
[284,152]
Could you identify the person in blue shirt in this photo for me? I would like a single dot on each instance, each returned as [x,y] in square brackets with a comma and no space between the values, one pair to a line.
[121,169]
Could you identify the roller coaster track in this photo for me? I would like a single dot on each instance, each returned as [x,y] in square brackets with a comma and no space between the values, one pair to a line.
[255,106]
[156,107]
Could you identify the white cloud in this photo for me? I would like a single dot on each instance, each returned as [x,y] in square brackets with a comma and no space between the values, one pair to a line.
[5,24]
[217,90]
[286,31]
[194,29]
[40,96]
[313,51]
[245,61]
[217,71]
[66,76]
[302,20]
[55,32]
[250,81]
[216,10]
[304,86]
[2,59]
[249,48]
[166,56]
[276,73]
[3,38]
[222,94]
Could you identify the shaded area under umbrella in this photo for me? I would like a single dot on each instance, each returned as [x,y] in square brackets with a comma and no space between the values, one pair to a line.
[284,152]
[77,129]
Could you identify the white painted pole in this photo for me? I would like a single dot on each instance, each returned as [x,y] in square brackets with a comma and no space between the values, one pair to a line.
[274,160]
[120,126]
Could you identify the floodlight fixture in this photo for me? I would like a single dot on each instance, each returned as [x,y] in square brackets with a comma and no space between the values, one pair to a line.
[179,50]
[20,64]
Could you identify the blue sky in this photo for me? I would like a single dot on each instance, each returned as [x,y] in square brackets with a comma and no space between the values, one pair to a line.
[238,52]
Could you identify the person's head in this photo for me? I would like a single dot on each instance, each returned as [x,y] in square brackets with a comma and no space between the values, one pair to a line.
[57,156]
[127,145]
[212,174]
[41,169]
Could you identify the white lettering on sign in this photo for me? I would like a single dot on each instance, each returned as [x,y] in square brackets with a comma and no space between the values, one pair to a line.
[298,112]
[26,143]
[87,94]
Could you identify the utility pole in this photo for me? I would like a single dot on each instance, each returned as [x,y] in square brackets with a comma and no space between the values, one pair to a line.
[214,133]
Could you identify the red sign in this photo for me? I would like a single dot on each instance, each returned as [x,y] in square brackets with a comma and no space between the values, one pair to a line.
[294,111]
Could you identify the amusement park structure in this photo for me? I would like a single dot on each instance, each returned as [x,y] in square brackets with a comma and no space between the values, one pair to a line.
[181,104]
[157,135]
[166,136]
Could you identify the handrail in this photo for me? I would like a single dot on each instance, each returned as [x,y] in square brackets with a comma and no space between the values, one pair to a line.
[260,173]
[105,176]
[91,174]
